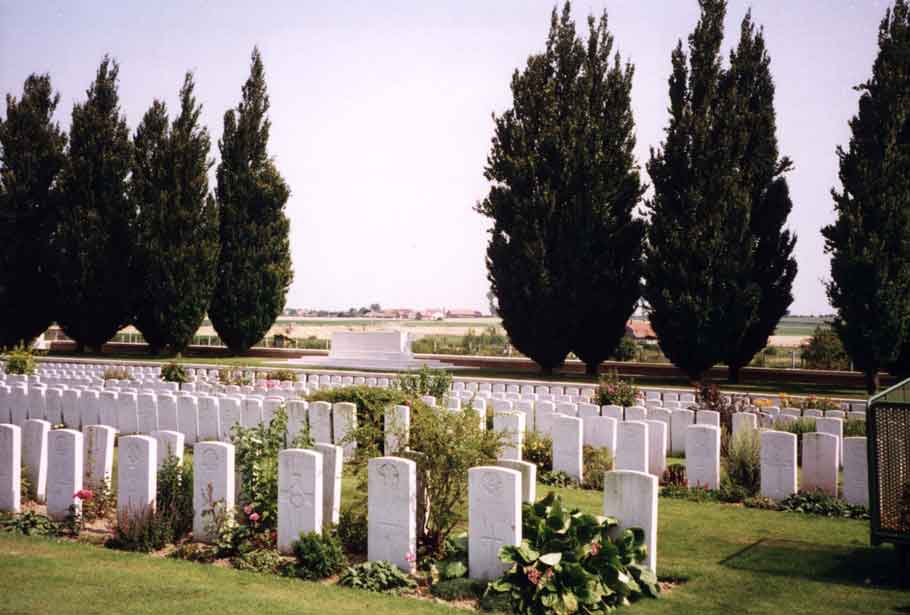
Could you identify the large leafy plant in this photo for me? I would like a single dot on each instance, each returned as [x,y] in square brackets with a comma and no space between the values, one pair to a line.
[615,391]
[435,382]
[573,562]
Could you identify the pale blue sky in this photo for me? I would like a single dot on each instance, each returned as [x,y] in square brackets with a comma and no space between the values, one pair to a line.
[381,112]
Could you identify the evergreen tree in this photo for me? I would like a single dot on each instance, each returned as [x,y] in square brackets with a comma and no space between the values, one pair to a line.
[698,255]
[761,171]
[254,265]
[96,234]
[563,257]
[177,224]
[868,242]
[31,155]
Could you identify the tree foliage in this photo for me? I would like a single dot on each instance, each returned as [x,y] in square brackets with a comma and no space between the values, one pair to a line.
[717,262]
[563,259]
[824,350]
[254,264]
[96,234]
[31,156]
[177,225]
[868,241]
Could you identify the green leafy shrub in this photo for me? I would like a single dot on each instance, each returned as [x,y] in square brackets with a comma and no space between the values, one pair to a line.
[538,449]
[260,560]
[824,350]
[230,375]
[283,375]
[454,564]
[819,503]
[29,523]
[743,463]
[174,501]
[458,589]
[760,502]
[626,350]
[435,382]
[569,561]
[352,528]
[140,529]
[319,556]
[21,361]
[616,391]
[596,462]
[379,576]
[854,428]
[116,373]
[556,479]
[256,450]
[174,372]
[195,552]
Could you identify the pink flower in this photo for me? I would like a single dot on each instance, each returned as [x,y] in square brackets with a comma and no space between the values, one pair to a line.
[84,494]
[254,517]
[595,548]
[534,576]
[248,509]
[410,557]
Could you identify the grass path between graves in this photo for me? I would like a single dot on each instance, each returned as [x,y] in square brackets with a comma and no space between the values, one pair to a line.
[732,560]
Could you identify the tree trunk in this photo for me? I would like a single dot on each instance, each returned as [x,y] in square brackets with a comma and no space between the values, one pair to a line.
[871,380]
[733,374]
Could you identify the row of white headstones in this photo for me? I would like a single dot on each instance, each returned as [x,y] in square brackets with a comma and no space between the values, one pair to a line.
[305,500]
[639,438]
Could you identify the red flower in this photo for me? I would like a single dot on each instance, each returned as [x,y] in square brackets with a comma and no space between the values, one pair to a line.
[84,494]
[534,576]
[254,517]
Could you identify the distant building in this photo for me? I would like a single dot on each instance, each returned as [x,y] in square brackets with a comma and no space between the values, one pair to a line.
[640,330]
[464,313]
[431,314]
[394,313]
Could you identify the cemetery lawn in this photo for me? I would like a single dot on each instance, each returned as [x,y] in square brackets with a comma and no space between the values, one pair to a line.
[730,559]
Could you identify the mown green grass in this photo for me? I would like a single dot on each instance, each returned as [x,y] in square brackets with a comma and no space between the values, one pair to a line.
[726,559]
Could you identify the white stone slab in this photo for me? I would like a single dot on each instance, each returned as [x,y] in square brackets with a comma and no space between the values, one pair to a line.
[631,498]
[229,415]
[703,456]
[707,417]
[600,432]
[167,413]
[300,493]
[856,472]
[213,482]
[613,411]
[297,418]
[567,446]
[18,403]
[494,516]
[680,421]
[188,418]
[170,443]
[320,414]
[332,460]
[392,511]
[64,471]
[10,468]
[127,413]
[209,419]
[396,429]
[344,422]
[657,447]
[98,455]
[778,464]
[744,421]
[636,413]
[251,412]
[37,404]
[820,456]
[53,398]
[544,412]
[35,456]
[512,426]
[835,427]
[528,473]
[89,408]
[632,444]
[269,406]
[137,474]
[147,412]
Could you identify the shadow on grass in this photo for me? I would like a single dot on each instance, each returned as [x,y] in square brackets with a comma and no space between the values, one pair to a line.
[865,566]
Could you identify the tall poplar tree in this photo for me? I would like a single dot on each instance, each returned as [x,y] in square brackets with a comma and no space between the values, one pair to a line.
[564,253]
[698,257]
[96,234]
[254,264]
[868,241]
[31,156]
[761,169]
[177,225]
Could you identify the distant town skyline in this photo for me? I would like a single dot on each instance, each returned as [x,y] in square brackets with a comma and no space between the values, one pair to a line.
[381,113]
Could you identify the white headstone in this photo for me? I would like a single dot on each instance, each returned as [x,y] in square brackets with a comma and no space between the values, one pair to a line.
[544,413]
[631,498]
[147,411]
[835,427]
[778,464]
[613,411]
[657,447]
[331,481]
[632,444]
[213,483]
[106,412]
[679,422]
[820,456]
[856,472]
[229,415]
[127,413]
[600,432]
[54,405]
[170,443]
[494,516]
[188,418]
[64,471]
[10,468]
[636,413]
[396,429]
[392,511]
[98,455]
[744,421]
[512,426]
[18,403]
[708,417]
[297,418]
[89,406]
[167,413]
[703,456]
[136,474]
[209,419]
[35,456]
[664,415]
[567,446]
[251,412]
[299,495]
[72,417]
[344,422]
[320,413]
[269,406]
[528,473]
[37,405]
